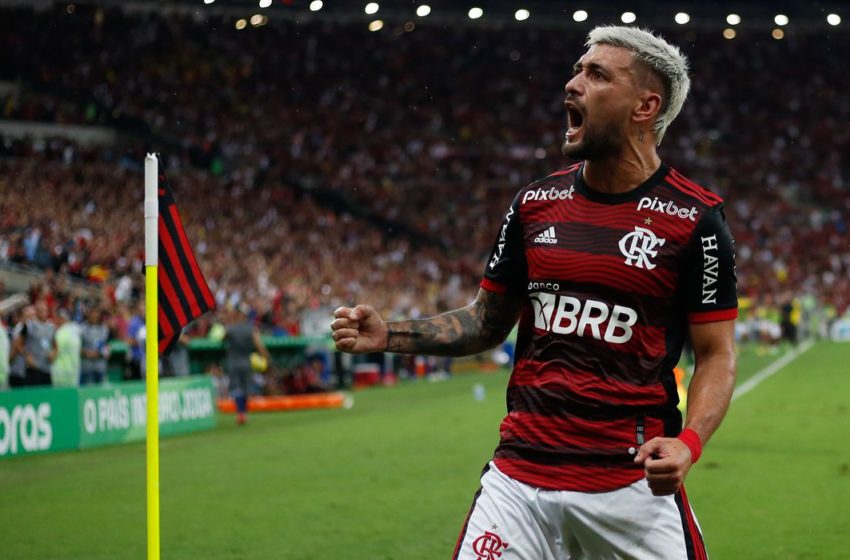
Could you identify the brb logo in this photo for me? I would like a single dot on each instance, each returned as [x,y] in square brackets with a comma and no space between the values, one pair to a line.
[488,546]
[639,246]
[567,315]
[549,194]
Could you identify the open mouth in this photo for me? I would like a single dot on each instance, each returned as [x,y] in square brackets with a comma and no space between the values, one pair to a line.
[574,120]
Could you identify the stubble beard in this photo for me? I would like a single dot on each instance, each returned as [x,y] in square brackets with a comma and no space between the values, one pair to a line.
[597,144]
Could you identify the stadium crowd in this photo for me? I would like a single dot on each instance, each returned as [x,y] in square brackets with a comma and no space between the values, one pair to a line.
[419,137]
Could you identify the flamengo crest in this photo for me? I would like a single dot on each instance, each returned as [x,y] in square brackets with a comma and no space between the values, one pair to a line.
[639,246]
[488,546]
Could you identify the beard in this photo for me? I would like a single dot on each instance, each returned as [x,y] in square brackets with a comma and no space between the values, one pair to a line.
[597,143]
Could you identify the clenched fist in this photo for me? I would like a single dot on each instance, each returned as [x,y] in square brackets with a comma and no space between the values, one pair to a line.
[359,330]
[666,462]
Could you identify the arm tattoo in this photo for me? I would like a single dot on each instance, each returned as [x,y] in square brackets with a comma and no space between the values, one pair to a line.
[469,330]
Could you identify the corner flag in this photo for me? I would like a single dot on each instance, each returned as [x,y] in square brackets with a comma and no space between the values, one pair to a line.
[183,292]
[172,300]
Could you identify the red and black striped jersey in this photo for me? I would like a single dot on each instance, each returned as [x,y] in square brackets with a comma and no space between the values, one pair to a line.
[610,283]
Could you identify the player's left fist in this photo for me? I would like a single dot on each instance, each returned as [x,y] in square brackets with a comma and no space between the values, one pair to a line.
[666,462]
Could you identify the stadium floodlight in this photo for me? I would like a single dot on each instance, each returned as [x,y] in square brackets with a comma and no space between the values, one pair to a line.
[265,3]
[682,18]
[781,19]
[729,33]
[241,24]
[777,34]
[833,19]
[522,14]
[423,10]
[628,17]
[580,15]
[371,8]
[475,13]
[733,19]
[208,1]
[376,25]
[258,20]
[316,5]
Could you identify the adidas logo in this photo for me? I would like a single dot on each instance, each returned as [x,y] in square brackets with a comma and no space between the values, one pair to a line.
[547,236]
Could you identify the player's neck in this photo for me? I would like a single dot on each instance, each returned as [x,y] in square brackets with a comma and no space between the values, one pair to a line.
[621,173]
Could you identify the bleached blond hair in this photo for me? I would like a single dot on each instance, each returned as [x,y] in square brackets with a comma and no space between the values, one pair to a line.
[662,58]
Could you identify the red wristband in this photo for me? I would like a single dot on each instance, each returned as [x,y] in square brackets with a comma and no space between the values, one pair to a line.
[691,439]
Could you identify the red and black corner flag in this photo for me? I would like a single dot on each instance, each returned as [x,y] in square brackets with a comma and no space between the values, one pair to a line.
[183,293]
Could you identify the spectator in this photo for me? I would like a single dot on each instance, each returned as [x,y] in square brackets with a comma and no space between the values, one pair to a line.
[136,342]
[33,340]
[95,348]
[17,363]
[176,364]
[65,369]
[4,355]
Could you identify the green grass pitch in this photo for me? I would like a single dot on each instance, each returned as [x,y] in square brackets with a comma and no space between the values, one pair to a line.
[393,477]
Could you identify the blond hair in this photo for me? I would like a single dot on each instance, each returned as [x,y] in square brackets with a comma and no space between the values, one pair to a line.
[662,58]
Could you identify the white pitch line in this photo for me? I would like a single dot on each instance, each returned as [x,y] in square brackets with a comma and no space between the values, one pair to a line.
[771,369]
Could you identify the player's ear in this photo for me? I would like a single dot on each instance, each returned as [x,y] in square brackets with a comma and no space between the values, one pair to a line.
[647,107]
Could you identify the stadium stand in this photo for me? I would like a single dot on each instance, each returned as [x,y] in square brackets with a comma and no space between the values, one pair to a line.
[313,174]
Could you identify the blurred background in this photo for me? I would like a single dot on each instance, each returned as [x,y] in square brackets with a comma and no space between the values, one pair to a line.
[328,154]
[324,154]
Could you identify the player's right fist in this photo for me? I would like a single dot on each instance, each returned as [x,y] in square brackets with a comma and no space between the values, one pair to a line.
[359,330]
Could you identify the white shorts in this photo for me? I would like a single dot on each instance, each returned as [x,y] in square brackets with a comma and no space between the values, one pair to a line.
[510,520]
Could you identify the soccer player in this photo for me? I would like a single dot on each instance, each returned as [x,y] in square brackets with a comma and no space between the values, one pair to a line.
[241,338]
[608,265]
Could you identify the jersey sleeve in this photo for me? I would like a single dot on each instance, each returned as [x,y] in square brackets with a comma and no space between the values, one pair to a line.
[711,285]
[506,271]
